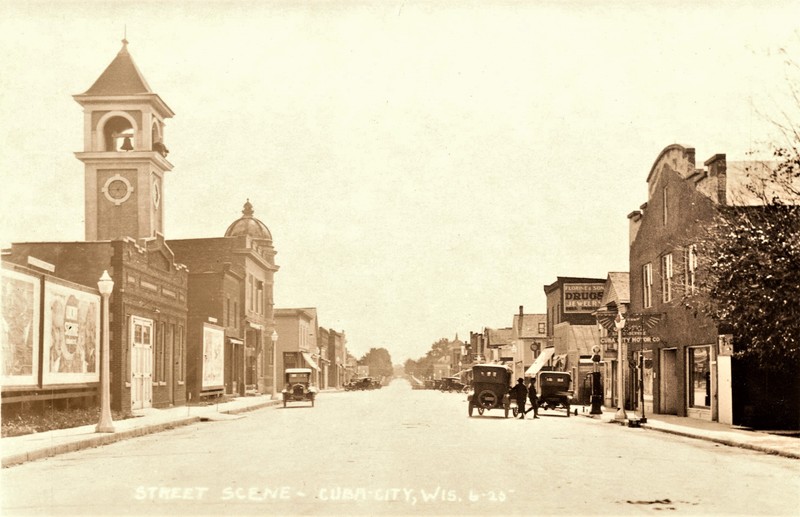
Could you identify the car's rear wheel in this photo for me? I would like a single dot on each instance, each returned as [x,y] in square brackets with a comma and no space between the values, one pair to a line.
[567,410]
[515,411]
[471,407]
[506,408]
[480,410]
[284,402]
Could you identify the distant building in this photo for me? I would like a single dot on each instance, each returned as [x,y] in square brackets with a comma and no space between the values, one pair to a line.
[572,328]
[297,341]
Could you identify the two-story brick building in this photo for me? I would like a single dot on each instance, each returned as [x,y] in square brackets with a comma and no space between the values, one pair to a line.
[231,305]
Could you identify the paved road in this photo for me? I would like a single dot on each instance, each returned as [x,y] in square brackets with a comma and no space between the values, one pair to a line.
[398,451]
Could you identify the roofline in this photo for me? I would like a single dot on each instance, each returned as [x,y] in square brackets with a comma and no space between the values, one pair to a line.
[166,111]
[665,151]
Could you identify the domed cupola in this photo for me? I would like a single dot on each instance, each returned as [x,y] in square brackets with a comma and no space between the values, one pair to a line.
[248,225]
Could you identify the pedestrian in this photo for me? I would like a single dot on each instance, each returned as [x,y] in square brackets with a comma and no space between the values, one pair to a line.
[534,398]
[519,392]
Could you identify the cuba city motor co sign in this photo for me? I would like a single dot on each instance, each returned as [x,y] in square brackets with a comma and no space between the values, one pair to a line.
[582,297]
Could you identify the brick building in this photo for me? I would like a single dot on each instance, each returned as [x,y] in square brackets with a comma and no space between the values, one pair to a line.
[148,309]
[685,372]
[231,282]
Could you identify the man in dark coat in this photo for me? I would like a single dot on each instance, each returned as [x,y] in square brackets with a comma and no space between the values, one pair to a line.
[534,398]
[518,393]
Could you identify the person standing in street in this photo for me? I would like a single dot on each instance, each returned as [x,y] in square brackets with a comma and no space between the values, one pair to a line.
[533,397]
[519,392]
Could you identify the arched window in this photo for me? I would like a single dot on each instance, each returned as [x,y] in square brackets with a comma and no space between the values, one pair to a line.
[118,134]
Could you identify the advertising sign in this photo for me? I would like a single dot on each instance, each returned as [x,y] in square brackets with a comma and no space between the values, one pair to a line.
[71,335]
[19,328]
[213,356]
[582,297]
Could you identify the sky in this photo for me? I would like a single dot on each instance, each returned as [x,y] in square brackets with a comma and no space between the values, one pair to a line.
[425,168]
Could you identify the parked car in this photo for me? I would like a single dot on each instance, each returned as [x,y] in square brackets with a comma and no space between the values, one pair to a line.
[555,390]
[490,385]
[298,386]
[451,384]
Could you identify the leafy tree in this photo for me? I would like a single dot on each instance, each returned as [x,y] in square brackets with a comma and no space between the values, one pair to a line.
[379,361]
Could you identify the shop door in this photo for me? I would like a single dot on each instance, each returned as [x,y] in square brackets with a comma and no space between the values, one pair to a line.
[141,363]
[669,382]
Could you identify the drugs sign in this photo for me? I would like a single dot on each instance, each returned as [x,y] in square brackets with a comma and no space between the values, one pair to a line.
[582,297]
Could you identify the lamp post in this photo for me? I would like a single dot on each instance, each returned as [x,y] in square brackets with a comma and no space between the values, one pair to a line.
[619,323]
[274,338]
[105,285]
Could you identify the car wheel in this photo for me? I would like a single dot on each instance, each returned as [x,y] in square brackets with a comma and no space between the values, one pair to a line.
[567,410]
[506,409]
[284,402]
[480,410]
[312,402]
[471,407]
[515,411]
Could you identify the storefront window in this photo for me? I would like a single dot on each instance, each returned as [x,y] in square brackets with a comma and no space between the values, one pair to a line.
[700,376]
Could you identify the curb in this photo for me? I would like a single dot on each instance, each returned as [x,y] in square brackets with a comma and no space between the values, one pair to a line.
[95,441]
[729,443]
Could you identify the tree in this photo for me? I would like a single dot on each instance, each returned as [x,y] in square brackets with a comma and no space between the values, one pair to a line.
[750,277]
[379,361]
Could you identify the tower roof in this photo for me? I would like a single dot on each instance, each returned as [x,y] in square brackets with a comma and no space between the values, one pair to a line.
[248,225]
[121,77]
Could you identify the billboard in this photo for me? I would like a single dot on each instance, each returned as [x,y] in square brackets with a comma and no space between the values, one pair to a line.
[213,356]
[71,335]
[582,298]
[19,328]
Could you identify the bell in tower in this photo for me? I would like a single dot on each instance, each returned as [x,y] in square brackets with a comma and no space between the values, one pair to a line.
[126,144]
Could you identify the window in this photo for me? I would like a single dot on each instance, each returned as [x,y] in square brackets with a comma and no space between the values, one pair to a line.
[689,269]
[666,278]
[699,372]
[541,328]
[647,285]
[664,205]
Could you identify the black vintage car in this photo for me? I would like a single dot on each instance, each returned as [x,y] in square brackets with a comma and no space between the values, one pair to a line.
[451,384]
[490,385]
[555,390]
[298,386]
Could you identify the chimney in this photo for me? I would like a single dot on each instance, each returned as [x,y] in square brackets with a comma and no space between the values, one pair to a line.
[718,169]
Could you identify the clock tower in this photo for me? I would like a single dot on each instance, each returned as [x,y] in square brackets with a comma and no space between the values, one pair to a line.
[124,155]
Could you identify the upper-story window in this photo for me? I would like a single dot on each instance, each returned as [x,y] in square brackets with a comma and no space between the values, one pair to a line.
[666,277]
[665,212]
[542,329]
[647,285]
[690,269]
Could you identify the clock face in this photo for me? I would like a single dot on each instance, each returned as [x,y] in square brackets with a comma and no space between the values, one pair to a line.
[117,189]
[156,194]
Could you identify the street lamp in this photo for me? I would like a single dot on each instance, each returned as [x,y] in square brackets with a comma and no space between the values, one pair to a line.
[619,323]
[105,285]
[274,338]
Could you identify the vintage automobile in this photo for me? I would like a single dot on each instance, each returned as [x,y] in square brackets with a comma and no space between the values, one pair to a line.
[490,385]
[450,384]
[298,386]
[555,390]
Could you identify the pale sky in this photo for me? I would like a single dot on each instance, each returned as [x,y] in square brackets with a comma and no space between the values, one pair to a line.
[424,167]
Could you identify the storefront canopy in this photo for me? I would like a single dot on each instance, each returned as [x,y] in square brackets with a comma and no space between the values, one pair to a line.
[310,361]
[540,361]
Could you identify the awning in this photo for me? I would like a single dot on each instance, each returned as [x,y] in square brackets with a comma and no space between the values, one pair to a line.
[235,341]
[540,361]
[310,361]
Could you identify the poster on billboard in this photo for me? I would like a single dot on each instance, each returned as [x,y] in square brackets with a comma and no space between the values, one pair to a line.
[582,297]
[213,356]
[71,335]
[19,328]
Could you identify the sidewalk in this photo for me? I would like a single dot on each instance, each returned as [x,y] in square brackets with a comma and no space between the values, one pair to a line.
[20,449]
[724,434]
